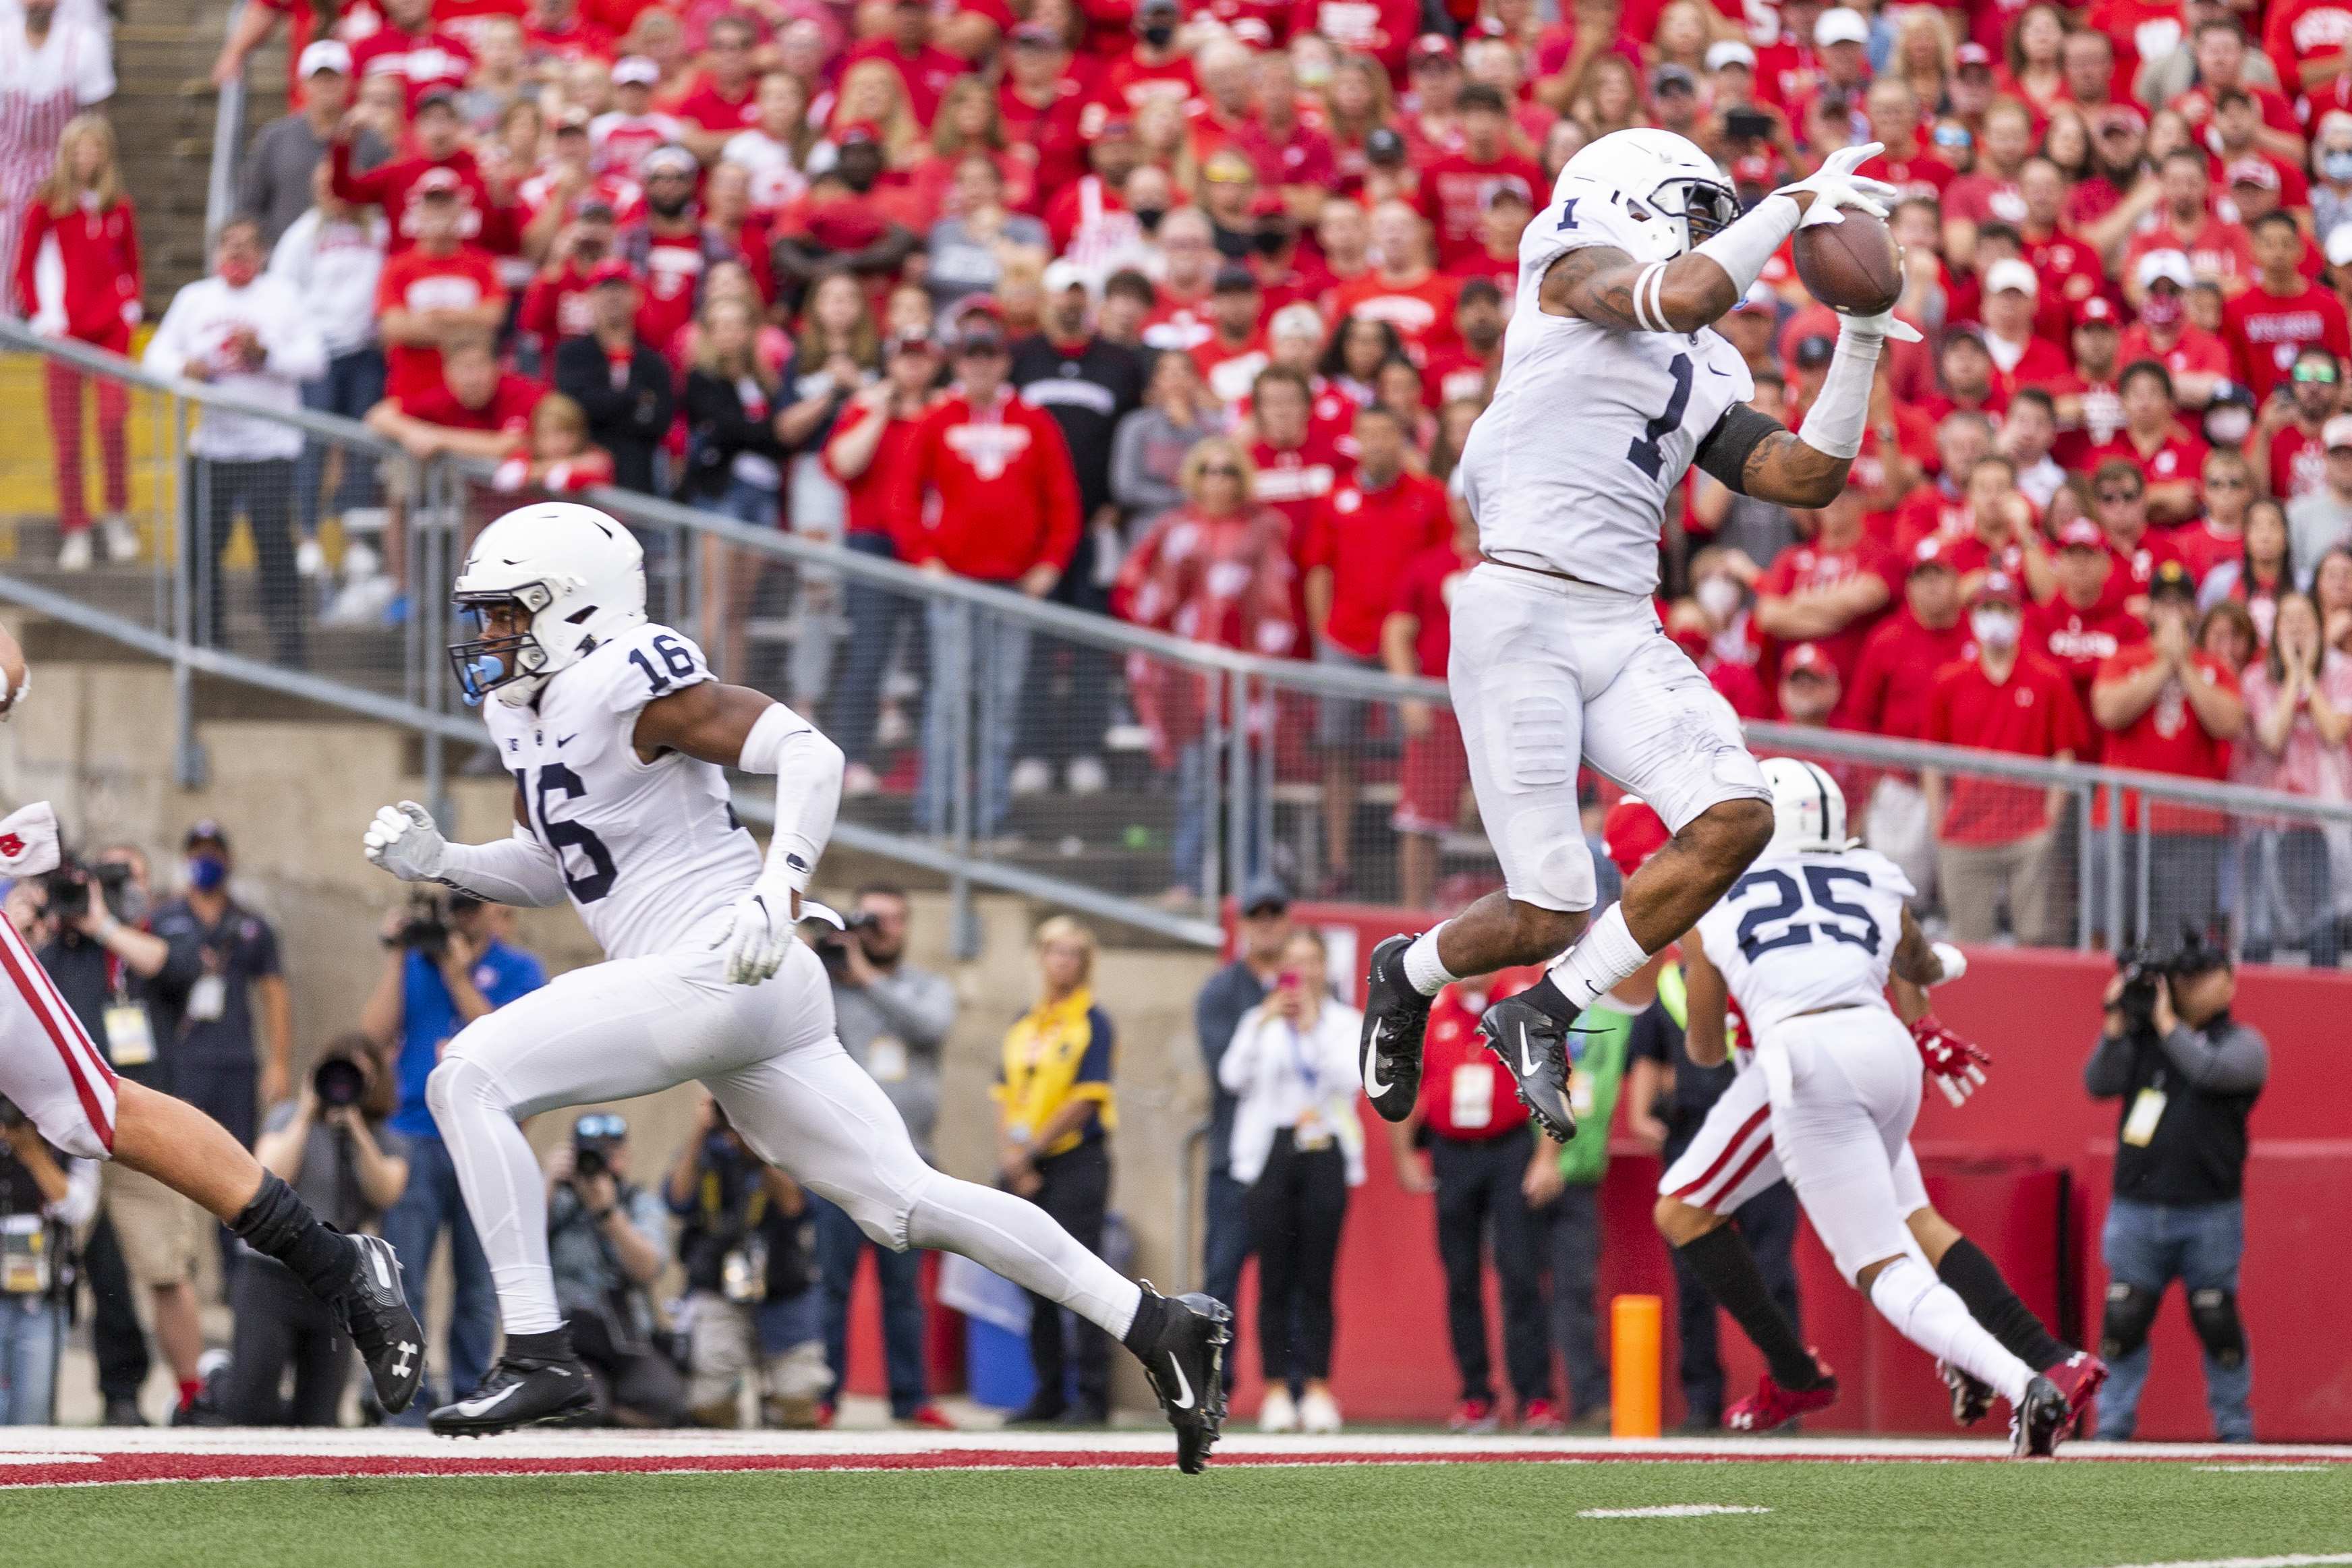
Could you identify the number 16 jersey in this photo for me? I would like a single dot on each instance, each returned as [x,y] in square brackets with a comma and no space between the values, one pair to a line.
[1570,468]
[649,849]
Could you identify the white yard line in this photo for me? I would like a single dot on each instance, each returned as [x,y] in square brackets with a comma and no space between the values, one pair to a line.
[1668,1510]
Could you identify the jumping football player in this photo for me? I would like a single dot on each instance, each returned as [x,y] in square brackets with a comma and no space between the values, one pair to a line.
[1804,942]
[619,738]
[1614,384]
[52,1072]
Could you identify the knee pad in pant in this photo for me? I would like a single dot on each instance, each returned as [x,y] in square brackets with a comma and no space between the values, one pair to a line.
[457,1081]
[2214,1315]
[2131,1311]
[885,1217]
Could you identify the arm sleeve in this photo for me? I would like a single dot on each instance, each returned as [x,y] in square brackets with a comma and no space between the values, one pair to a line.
[2237,1063]
[808,790]
[520,871]
[2108,1073]
[1723,455]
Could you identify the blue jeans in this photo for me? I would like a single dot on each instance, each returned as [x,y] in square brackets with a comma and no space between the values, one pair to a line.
[431,1200]
[353,385]
[1227,1245]
[744,502]
[991,665]
[839,1245]
[2286,895]
[30,1328]
[2150,1245]
[875,613]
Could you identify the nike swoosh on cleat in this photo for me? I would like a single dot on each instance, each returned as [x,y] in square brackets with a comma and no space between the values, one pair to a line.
[1528,1065]
[483,1406]
[1372,1084]
[1183,1398]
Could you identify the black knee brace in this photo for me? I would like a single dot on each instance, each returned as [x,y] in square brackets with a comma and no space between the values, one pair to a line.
[2131,1311]
[2214,1315]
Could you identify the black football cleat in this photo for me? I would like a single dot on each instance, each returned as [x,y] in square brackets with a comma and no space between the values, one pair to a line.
[1534,1045]
[1972,1398]
[2039,1421]
[1395,1016]
[373,1309]
[1186,1364]
[521,1390]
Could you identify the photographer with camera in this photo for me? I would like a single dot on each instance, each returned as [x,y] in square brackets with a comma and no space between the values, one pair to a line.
[752,1309]
[446,963]
[329,1144]
[2188,1074]
[45,1194]
[92,945]
[607,1239]
[892,1019]
[222,969]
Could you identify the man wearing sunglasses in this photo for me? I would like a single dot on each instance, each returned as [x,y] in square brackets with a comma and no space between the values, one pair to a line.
[2269,325]
[2289,457]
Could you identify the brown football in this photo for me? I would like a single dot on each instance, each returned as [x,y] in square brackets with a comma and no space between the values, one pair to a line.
[1851,266]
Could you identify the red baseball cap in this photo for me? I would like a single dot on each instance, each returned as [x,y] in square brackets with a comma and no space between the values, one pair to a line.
[1997,588]
[858,130]
[2252,172]
[1968,55]
[1631,834]
[1430,46]
[2096,308]
[437,182]
[1929,551]
[2082,534]
[1807,659]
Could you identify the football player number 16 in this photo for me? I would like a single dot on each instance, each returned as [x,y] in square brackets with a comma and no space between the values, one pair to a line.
[553,778]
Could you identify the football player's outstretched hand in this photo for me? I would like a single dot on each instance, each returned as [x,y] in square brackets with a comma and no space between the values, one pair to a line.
[403,841]
[759,931]
[1835,185]
[1886,324]
[1955,1065]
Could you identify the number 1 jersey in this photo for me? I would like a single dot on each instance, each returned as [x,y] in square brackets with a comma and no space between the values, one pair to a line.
[649,849]
[1570,467]
[1801,932]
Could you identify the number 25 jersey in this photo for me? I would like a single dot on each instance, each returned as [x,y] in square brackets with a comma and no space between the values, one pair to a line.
[1591,430]
[649,849]
[1801,932]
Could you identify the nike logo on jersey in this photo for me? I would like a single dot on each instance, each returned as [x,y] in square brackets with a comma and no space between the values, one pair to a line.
[563,740]
[1183,1397]
[1372,1084]
[1718,371]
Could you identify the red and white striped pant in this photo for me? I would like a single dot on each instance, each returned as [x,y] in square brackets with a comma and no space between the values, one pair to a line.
[48,1067]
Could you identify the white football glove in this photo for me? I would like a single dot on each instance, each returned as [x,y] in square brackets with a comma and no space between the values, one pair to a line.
[1834,185]
[1886,324]
[759,932]
[404,840]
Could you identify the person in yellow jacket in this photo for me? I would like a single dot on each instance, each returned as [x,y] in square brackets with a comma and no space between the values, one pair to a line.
[1055,1112]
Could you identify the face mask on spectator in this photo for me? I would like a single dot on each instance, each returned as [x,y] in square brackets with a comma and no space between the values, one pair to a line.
[1993,628]
[2336,164]
[1718,596]
[2162,309]
[207,872]
[1158,37]
[1150,218]
[237,273]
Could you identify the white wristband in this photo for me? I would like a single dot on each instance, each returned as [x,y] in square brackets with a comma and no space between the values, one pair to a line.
[1835,423]
[1742,249]
[1955,962]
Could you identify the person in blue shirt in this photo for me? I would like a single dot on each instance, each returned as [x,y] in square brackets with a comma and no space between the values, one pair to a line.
[429,990]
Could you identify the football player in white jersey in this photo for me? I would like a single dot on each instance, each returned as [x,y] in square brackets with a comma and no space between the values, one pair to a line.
[619,738]
[1805,942]
[52,1072]
[1612,384]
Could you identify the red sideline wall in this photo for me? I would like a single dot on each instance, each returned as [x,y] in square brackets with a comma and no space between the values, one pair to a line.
[2025,1169]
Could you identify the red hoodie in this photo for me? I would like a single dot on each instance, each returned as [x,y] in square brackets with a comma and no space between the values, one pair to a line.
[986,494]
[99,258]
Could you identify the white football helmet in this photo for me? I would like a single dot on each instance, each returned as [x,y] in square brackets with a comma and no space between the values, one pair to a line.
[577,573]
[1672,191]
[1808,807]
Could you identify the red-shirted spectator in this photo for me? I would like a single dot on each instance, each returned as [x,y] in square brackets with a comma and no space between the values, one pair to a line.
[1358,542]
[1235,350]
[1507,207]
[624,136]
[2198,362]
[2167,707]
[2306,40]
[1903,652]
[672,249]
[1993,838]
[869,445]
[558,458]
[555,33]
[1153,67]
[1463,370]
[2087,407]
[409,49]
[2003,536]
[1417,639]
[437,291]
[555,304]
[2078,629]
[922,66]
[1291,154]
[2119,493]
[2289,458]
[472,408]
[2070,270]
[1381,29]
[1830,590]
[1039,104]
[564,192]
[2269,325]
[1297,460]
[1991,194]
[2184,222]
[1939,509]
[2219,537]
[1809,688]
[1972,382]
[1454,188]
[1893,110]
[2152,441]
[1402,289]
[839,224]
[2219,46]
[2021,357]
[438,135]
[1184,315]
[725,102]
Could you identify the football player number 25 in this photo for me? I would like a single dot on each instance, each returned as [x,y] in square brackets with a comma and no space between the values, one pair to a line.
[1821,884]
[1645,452]
[556,779]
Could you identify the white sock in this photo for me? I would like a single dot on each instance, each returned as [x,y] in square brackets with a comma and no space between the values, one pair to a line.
[1422,969]
[1932,1317]
[505,1193]
[1014,1237]
[1603,956]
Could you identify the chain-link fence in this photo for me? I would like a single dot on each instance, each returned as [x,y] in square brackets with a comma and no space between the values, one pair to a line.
[1029,744]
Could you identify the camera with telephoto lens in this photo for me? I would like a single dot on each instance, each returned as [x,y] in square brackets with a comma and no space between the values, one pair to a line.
[2143,966]
[832,947]
[426,926]
[594,1138]
[69,887]
[338,1083]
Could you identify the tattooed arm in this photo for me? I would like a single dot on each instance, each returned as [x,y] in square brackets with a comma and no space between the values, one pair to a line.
[1755,454]
[1600,284]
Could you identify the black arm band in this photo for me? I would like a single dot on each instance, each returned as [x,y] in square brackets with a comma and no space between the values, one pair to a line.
[1725,451]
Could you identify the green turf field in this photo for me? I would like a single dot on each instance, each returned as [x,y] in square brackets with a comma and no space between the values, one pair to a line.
[2084,1515]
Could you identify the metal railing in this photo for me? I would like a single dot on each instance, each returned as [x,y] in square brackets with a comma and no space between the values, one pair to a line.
[228,144]
[1210,766]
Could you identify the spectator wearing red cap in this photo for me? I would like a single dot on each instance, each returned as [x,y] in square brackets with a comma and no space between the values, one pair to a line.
[439,289]
[1401,290]
[1810,687]
[1360,542]
[410,48]
[618,377]
[2088,408]
[2080,627]
[2167,707]
[1454,188]
[1829,590]
[922,66]
[438,134]
[2255,178]
[2169,458]
[2269,325]
[1417,639]
[1993,838]
[986,493]
[2198,362]
[2290,460]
